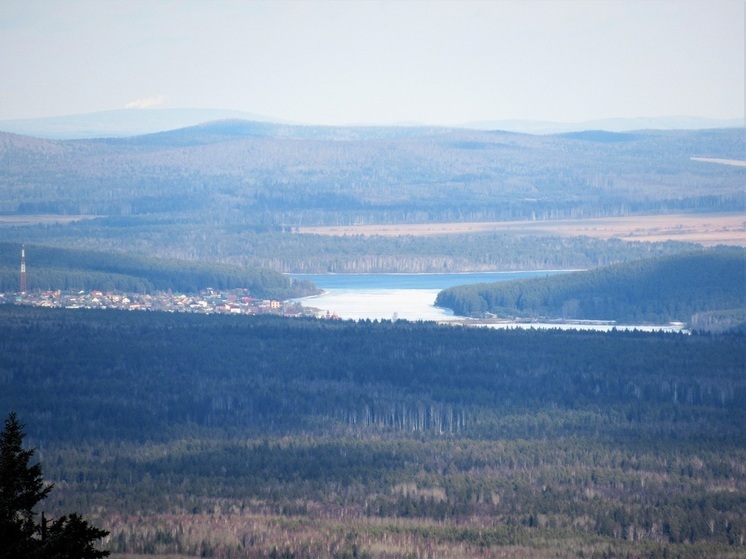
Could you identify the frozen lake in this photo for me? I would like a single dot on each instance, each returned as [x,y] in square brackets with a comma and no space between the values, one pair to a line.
[411,297]
[385,296]
[409,304]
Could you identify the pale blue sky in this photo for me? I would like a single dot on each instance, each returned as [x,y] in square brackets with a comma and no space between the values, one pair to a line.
[377,62]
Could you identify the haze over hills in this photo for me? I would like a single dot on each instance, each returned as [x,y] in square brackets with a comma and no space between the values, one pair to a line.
[133,122]
[121,122]
[167,408]
[283,168]
[219,191]
[607,124]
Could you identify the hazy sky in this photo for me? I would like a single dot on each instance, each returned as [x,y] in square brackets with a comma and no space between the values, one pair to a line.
[382,62]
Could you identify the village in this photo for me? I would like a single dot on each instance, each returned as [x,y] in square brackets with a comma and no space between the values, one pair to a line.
[207,301]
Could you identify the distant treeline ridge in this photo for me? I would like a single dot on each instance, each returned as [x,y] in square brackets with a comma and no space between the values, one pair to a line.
[51,268]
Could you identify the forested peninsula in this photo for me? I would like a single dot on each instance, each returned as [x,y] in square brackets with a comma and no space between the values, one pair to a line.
[52,268]
[703,288]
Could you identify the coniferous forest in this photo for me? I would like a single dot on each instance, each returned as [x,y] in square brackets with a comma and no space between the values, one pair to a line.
[240,192]
[70,269]
[186,435]
[214,436]
[683,287]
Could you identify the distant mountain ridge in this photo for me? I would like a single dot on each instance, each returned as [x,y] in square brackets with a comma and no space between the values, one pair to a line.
[120,123]
[238,191]
[262,174]
[607,124]
[134,122]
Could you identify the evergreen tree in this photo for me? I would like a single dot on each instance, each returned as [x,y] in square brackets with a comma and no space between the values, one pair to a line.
[21,489]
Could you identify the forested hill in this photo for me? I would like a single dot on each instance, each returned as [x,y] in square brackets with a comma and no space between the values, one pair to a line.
[693,287]
[239,191]
[257,173]
[66,269]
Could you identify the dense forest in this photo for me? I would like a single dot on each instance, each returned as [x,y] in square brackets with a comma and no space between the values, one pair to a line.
[655,290]
[185,435]
[289,252]
[266,437]
[50,268]
[243,171]
[236,191]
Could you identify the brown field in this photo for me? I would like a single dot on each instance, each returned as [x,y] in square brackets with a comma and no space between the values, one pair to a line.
[705,229]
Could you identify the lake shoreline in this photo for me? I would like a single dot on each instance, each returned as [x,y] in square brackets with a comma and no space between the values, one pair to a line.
[406,296]
[562,324]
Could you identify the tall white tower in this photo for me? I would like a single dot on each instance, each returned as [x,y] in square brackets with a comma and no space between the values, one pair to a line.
[23,268]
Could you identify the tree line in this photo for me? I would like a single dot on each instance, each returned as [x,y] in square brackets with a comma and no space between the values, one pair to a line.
[281,249]
[329,175]
[50,268]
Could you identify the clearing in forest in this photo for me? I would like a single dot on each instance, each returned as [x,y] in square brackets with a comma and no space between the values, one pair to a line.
[705,229]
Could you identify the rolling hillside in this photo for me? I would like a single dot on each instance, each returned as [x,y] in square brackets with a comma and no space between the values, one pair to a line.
[233,170]
[238,191]
[51,268]
[133,122]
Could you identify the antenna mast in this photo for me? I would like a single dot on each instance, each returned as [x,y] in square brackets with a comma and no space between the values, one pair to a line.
[23,268]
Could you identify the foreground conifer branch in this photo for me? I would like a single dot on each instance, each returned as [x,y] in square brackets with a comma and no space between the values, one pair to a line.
[21,489]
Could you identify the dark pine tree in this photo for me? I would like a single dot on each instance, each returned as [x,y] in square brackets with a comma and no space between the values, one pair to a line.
[21,489]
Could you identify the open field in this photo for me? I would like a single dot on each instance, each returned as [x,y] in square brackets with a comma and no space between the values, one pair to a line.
[705,229]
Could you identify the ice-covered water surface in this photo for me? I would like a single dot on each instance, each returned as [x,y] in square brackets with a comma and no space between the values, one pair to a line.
[387,296]
[379,304]
[412,297]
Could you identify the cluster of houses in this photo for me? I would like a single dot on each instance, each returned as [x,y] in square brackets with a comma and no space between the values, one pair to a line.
[207,301]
